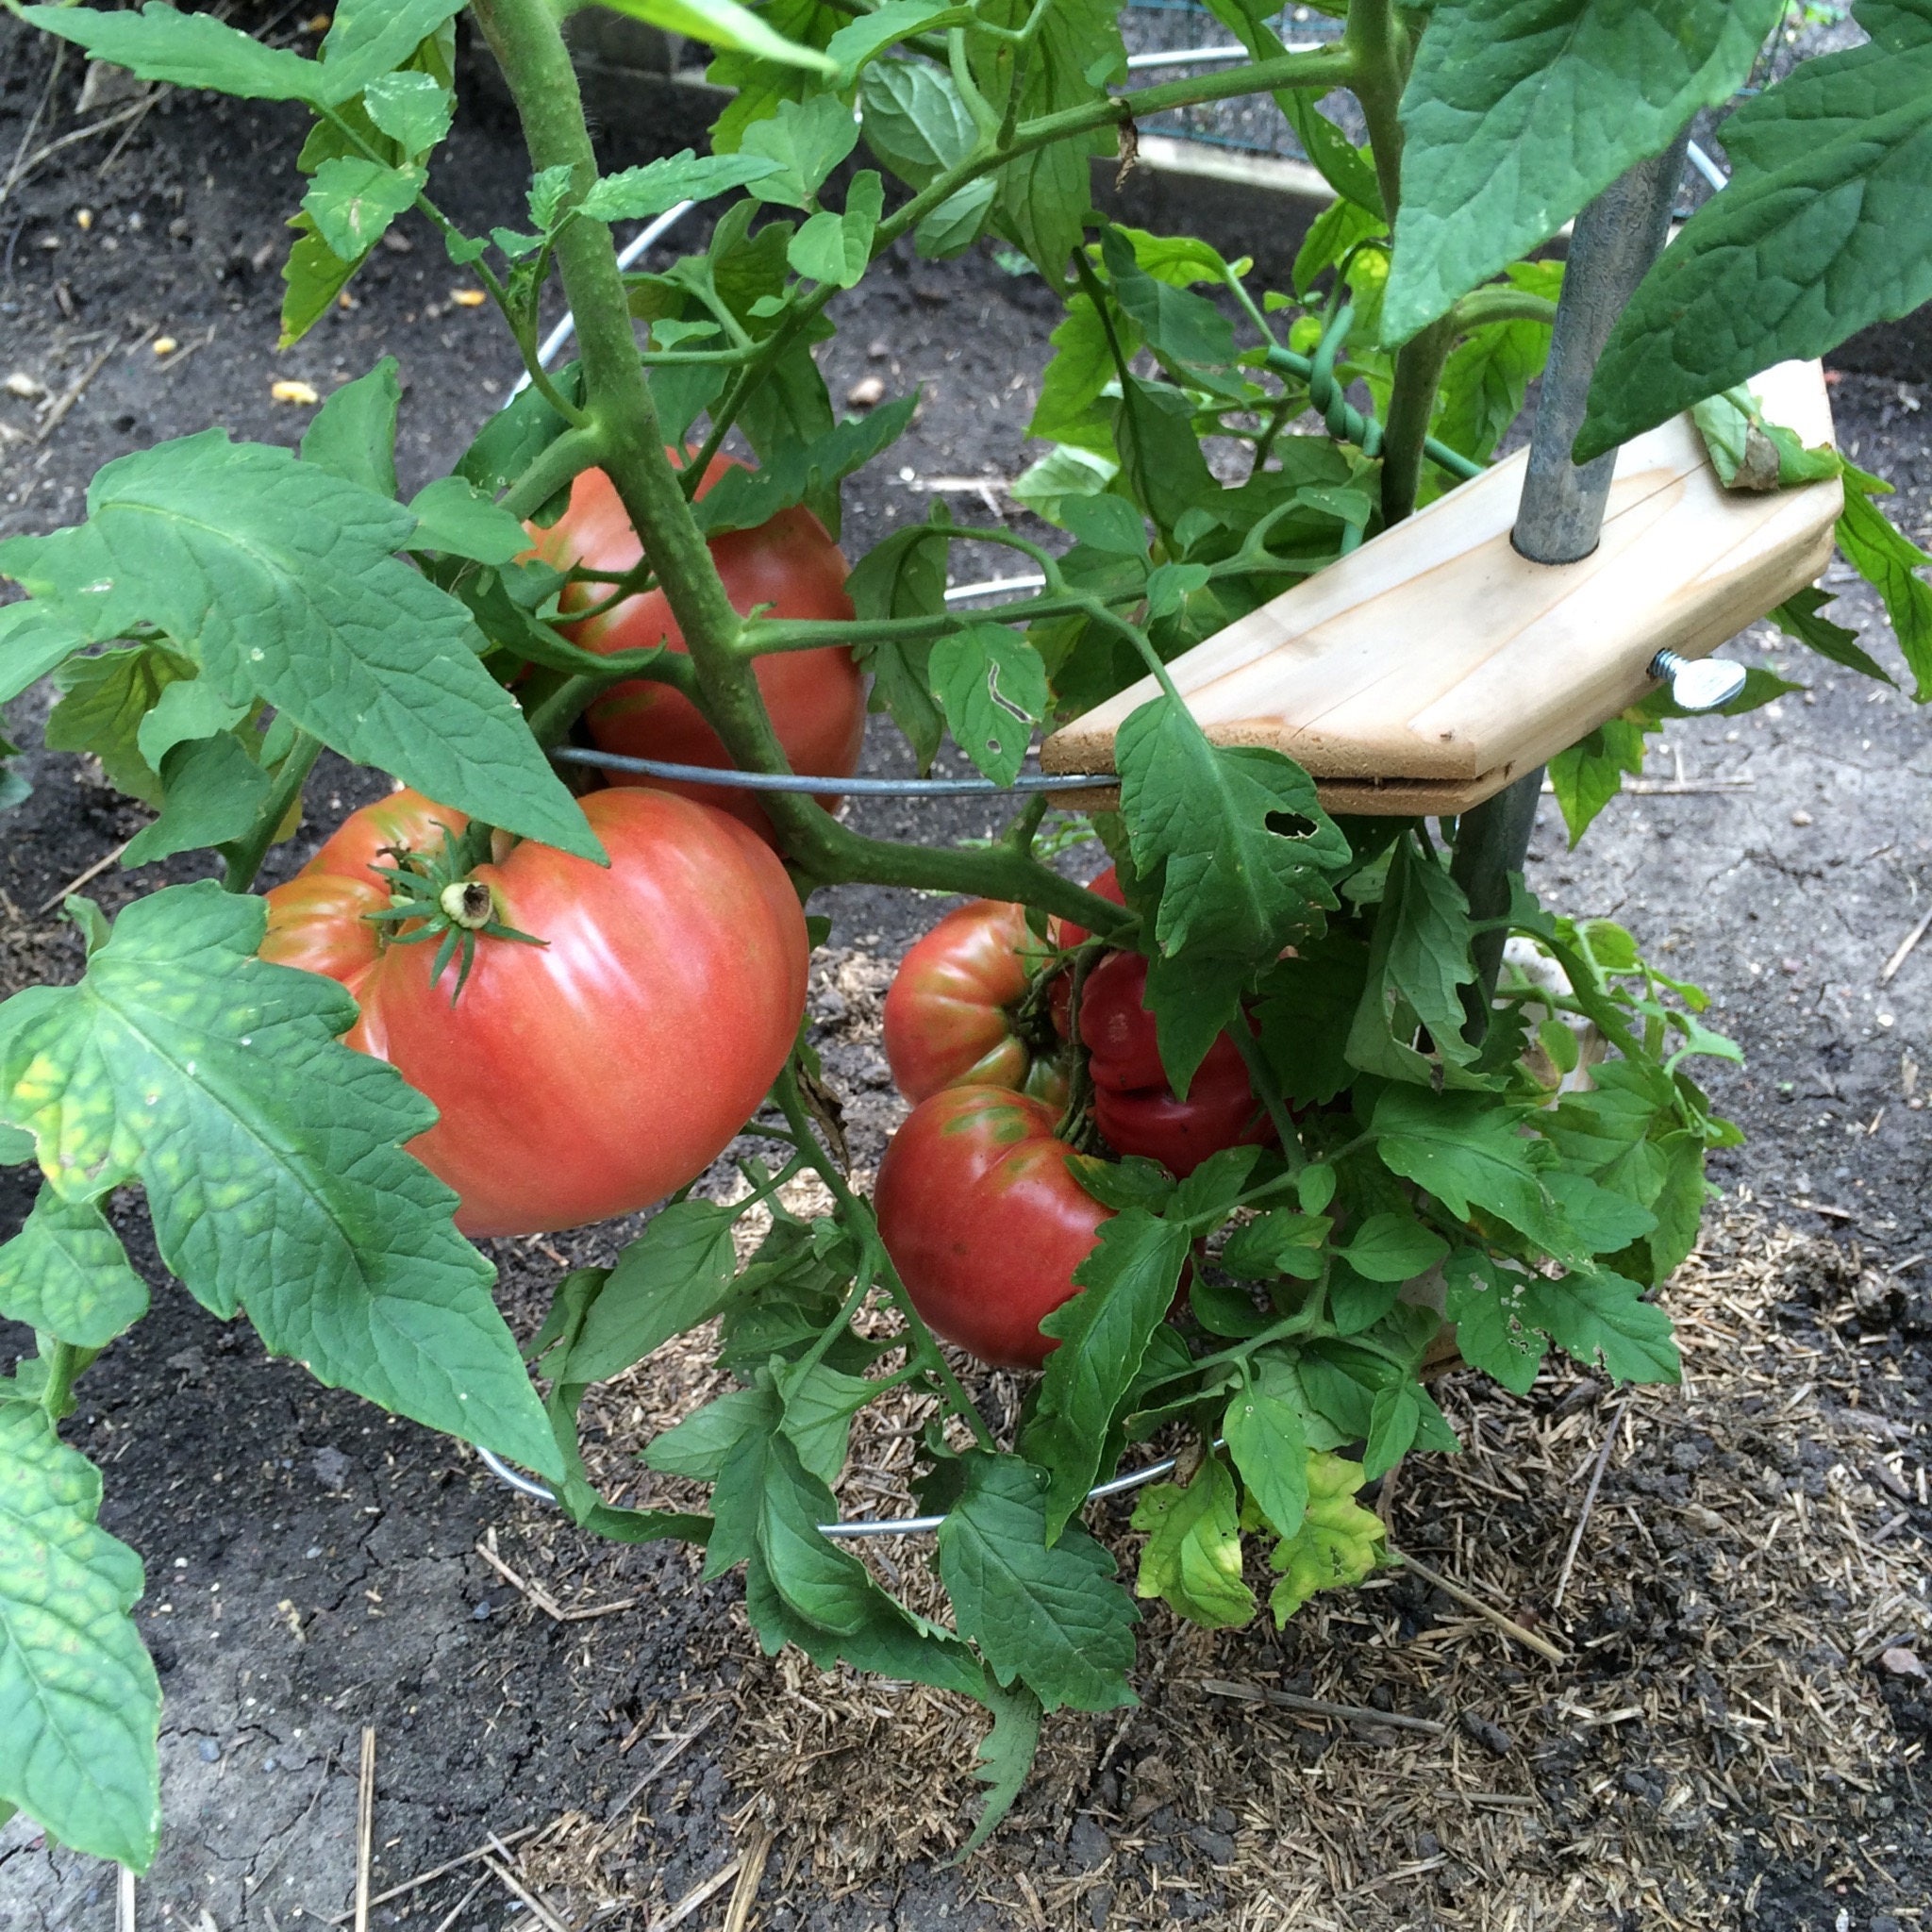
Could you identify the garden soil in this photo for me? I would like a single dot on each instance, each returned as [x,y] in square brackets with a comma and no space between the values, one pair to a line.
[1735,1734]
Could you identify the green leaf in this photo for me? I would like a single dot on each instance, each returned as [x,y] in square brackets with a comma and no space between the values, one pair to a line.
[864,40]
[1484,384]
[1339,1543]
[803,140]
[1347,168]
[1889,561]
[637,193]
[367,37]
[1050,1616]
[1393,1247]
[1604,1318]
[697,1447]
[1750,452]
[413,109]
[1192,1559]
[79,1705]
[1270,1447]
[354,434]
[352,200]
[807,472]
[106,698]
[837,248]
[1419,961]
[675,1274]
[1330,237]
[1237,833]
[1516,112]
[802,1588]
[213,791]
[272,1158]
[914,118]
[66,1272]
[955,224]
[1586,776]
[187,710]
[820,1402]
[1005,1754]
[726,24]
[33,641]
[1305,1013]
[1175,321]
[1064,472]
[280,577]
[1160,455]
[1466,1151]
[1278,1242]
[315,275]
[1081,368]
[992,685]
[1128,1283]
[455,517]
[1825,228]
[187,50]
[903,577]
[1798,617]
[1493,1331]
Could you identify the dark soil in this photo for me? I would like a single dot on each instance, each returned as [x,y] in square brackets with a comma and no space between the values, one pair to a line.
[312,1562]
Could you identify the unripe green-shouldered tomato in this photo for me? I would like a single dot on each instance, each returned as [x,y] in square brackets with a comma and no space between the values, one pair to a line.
[979,1208]
[951,1013]
[596,1072]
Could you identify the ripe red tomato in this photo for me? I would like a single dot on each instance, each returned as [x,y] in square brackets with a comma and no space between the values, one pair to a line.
[591,1075]
[1063,934]
[1133,1105]
[952,1015]
[979,1209]
[816,698]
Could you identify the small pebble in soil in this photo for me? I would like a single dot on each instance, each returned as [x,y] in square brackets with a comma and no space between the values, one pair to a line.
[866,393]
[1492,1736]
[1801,817]
[480,1612]
[209,1750]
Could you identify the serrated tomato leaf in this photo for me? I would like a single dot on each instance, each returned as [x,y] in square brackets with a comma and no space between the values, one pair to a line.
[67,1274]
[1831,232]
[1128,1285]
[272,1158]
[1048,1615]
[1518,112]
[79,1705]
[280,576]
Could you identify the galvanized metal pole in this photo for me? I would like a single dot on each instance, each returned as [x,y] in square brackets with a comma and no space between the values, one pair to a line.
[1561,513]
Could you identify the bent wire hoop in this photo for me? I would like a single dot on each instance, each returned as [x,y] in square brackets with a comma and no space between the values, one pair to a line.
[857,1526]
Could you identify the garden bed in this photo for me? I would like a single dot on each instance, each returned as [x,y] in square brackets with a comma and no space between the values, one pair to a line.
[1724,1743]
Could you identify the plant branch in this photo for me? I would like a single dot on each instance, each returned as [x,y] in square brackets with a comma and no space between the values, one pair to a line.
[246,854]
[1411,403]
[1500,303]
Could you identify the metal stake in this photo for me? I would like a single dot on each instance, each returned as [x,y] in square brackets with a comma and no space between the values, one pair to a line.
[1561,514]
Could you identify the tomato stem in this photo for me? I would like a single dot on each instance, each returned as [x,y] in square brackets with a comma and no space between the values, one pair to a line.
[244,856]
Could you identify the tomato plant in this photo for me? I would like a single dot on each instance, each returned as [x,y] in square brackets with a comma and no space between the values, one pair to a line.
[599,1068]
[981,1211]
[787,566]
[226,609]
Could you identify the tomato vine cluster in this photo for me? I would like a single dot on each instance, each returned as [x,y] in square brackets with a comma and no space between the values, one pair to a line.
[1231,1148]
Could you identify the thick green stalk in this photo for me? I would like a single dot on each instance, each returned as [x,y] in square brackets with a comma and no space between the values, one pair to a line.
[246,854]
[1411,403]
[1500,302]
[1379,55]
[66,1362]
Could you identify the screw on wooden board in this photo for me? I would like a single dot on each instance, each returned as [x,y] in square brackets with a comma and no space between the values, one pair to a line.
[1703,684]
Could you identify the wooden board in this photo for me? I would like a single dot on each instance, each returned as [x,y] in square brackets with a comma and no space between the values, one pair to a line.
[1426,671]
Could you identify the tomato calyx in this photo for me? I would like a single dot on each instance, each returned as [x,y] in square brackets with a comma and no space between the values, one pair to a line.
[435,896]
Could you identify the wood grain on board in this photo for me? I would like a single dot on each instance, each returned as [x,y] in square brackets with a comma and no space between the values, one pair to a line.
[1428,669]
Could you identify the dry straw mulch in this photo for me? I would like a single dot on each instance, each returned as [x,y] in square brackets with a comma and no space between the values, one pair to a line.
[1749,1554]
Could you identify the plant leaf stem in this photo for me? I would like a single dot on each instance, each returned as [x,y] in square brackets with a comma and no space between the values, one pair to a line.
[245,857]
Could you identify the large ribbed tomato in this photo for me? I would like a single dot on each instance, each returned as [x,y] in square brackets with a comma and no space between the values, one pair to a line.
[816,699]
[591,1075]
[953,1013]
[979,1208]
